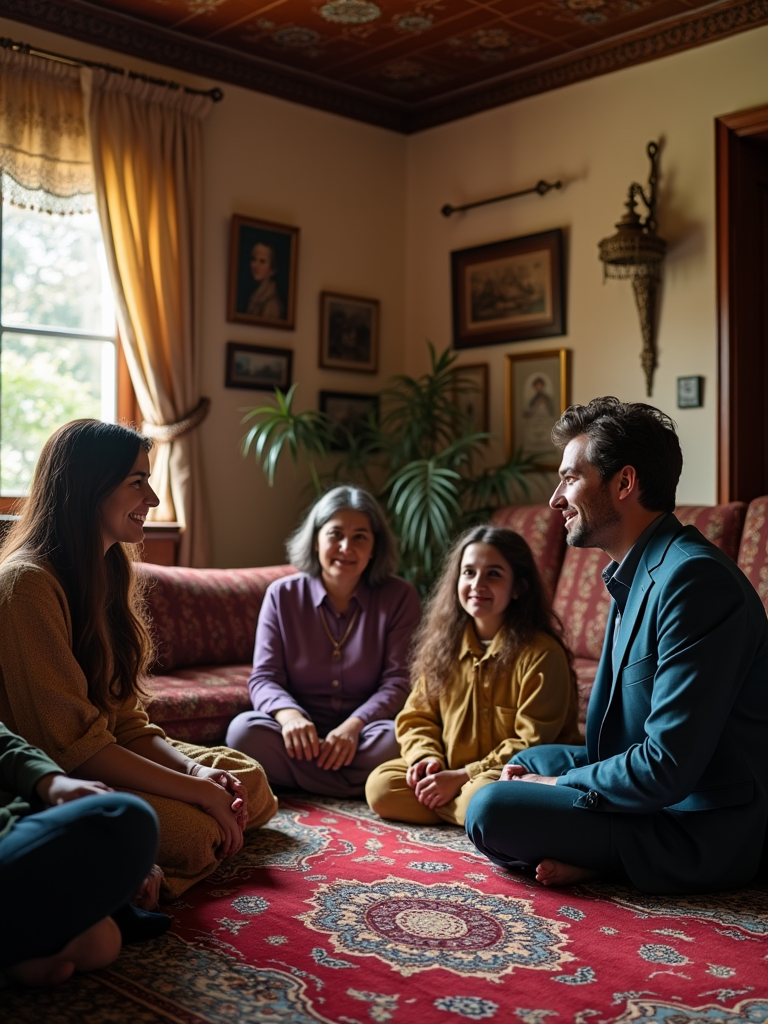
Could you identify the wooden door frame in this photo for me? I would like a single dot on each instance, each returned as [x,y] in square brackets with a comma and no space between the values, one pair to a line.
[729,131]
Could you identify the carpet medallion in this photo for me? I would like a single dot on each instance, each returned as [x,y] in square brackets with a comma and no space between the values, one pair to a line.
[331,916]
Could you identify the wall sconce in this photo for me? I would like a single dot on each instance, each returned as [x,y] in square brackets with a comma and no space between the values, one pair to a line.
[636,252]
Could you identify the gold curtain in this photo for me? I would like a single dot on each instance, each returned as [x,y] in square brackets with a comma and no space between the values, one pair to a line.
[146,151]
[43,141]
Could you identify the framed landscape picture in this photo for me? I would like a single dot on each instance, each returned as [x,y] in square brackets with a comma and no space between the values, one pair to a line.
[537,395]
[349,410]
[257,367]
[508,291]
[470,394]
[349,333]
[262,273]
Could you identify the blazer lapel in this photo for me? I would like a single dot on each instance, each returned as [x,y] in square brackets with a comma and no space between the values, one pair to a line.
[614,658]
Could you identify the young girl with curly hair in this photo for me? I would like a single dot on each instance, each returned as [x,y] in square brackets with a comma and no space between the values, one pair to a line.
[491,675]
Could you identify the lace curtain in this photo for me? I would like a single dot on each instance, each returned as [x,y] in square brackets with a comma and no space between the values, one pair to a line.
[44,151]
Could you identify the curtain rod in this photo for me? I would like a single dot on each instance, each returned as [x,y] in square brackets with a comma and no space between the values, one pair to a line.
[215,94]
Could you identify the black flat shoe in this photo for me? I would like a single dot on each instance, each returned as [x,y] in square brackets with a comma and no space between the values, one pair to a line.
[137,925]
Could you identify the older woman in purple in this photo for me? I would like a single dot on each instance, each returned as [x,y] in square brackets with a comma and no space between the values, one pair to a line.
[330,668]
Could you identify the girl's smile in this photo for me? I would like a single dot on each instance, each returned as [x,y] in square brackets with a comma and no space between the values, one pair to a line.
[486,586]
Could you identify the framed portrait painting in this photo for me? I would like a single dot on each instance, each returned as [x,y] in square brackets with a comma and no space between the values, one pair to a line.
[508,291]
[348,410]
[262,273]
[537,395]
[470,394]
[257,367]
[349,333]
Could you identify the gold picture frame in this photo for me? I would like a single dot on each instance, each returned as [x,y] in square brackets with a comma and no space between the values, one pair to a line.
[538,389]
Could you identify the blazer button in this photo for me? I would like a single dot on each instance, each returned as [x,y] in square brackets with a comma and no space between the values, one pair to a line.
[592,798]
[335,682]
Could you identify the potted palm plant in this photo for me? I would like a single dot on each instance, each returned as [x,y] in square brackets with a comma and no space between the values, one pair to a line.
[421,459]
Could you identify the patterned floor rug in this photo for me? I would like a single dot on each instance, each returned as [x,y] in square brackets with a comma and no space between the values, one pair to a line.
[331,915]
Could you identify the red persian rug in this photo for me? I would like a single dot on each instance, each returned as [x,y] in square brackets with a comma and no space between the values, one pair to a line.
[332,915]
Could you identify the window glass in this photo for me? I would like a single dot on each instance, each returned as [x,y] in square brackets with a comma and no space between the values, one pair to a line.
[57,334]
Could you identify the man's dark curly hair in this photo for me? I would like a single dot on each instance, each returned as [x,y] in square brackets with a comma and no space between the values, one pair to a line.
[628,434]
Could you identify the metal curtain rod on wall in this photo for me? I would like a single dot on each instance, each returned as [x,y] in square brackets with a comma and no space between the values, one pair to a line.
[215,94]
[542,187]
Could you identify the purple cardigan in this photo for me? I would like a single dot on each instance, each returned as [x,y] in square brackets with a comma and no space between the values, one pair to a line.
[293,663]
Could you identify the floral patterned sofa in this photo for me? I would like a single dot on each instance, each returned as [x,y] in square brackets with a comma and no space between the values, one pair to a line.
[204,624]
[204,620]
[573,574]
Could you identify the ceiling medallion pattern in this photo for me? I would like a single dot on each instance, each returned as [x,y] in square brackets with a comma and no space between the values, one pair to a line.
[350,12]
[451,48]
[593,12]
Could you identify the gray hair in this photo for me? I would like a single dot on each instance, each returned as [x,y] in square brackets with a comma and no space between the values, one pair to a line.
[301,544]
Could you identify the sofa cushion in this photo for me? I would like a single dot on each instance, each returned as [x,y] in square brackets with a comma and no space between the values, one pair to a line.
[581,600]
[753,551]
[196,705]
[720,524]
[205,616]
[543,529]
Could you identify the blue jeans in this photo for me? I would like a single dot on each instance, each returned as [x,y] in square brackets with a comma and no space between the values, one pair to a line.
[68,867]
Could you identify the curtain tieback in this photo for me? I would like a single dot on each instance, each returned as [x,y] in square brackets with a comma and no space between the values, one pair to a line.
[166,433]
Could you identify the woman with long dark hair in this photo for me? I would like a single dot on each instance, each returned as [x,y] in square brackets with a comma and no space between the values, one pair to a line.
[491,676]
[74,648]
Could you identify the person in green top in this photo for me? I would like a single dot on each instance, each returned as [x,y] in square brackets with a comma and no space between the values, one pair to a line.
[72,854]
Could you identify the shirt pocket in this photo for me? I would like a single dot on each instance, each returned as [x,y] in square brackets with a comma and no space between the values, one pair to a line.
[506,719]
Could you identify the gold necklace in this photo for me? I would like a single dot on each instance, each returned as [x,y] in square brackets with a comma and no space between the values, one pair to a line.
[338,644]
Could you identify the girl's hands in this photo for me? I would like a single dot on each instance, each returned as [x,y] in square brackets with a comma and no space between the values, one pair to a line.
[230,782]
[417,771]
[217,801]
[60,789]
[440,787]
[340,745]
[299,735]
[149,891]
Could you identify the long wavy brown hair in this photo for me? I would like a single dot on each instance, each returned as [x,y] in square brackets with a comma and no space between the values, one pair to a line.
[438,639]
[60,526]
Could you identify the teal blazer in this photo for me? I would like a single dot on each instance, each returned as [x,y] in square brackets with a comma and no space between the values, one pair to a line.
[678,717]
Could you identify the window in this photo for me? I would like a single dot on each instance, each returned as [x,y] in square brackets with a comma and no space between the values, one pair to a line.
[58,338]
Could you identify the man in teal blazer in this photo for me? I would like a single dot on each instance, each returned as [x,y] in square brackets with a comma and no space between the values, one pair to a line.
[671,790]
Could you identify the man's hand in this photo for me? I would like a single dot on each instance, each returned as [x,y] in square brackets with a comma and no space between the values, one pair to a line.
[58,788]
[516,773]
[439,788]
[417,771]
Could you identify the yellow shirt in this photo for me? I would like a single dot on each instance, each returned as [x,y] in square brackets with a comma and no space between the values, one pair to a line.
[43,692]
[483,714]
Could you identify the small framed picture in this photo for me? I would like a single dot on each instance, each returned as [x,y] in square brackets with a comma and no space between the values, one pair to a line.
[508,291]
[257,367]
[349,333]
[349,410]
[537,395]
[690,392]
[262,273]
[470,394]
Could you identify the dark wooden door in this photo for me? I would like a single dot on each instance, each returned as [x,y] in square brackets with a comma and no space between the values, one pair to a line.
[742,223]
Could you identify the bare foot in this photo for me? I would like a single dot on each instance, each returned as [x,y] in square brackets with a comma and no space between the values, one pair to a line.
[42,972]
[554,872]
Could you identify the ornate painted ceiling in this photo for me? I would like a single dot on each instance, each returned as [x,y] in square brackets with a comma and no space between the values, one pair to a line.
[402,64]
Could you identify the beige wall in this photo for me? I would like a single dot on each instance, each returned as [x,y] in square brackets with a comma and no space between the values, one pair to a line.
[593,136]
[367,202]
[343,184]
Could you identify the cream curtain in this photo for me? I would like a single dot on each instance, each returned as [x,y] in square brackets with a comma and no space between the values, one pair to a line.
[44,148]
[147,153]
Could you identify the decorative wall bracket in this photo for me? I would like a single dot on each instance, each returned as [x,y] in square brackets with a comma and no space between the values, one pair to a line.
[636,252]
